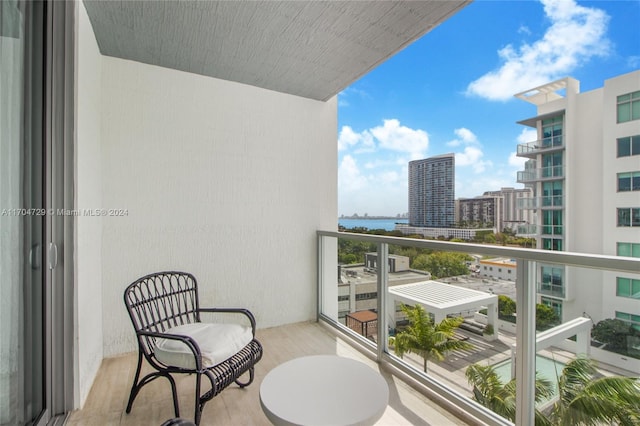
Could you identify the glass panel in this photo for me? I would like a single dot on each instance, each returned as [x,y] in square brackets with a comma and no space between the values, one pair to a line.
[635,181]
[624,112]
[624,182]
[635,145]
[635,110]
[624,218]
[21,221]
[624,147]
[635,217]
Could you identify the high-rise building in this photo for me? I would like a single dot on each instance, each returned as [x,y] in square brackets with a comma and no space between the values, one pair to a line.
[431,192]
[484,211]
[511,213]
[584,170]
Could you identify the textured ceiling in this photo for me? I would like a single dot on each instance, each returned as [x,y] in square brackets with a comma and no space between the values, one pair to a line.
[312,49]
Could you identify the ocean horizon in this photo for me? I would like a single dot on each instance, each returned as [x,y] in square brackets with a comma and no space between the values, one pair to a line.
[387,224]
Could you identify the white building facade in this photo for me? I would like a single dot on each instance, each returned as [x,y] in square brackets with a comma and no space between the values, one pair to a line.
[584,171]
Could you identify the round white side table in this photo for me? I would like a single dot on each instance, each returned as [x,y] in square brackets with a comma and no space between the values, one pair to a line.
[323,390]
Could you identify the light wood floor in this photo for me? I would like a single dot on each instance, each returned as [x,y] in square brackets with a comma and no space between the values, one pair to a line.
[234,406]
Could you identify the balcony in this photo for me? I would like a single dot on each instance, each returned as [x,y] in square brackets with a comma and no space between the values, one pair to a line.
[493,346]
[532,149]
[555,201]
[541,174]
[234,406]
[556,291]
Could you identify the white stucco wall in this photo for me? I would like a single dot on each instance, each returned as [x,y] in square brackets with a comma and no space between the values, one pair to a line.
[612,199]
[224,180]
[88,192]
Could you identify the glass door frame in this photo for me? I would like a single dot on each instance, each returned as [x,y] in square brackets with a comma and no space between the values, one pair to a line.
[60,235]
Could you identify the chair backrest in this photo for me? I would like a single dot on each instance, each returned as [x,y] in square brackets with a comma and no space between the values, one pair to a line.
[159,301]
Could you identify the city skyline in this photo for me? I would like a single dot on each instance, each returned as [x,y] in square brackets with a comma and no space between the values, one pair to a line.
[452,91]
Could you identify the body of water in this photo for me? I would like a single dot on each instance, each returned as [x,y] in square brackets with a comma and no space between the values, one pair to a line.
[548,368]
[387,224]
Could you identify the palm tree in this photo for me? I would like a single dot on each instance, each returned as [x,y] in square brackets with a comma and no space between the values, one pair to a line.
[584,398]
[425,338]
[588,399]
[500,397]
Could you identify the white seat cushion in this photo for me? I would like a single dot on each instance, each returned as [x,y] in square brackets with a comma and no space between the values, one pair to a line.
[217,342]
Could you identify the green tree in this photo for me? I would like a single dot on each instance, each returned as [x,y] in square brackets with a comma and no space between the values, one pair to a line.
[584,397]
[500,397]
[613,332]
[546,317]
[506,307]
[425,338]
[446,264]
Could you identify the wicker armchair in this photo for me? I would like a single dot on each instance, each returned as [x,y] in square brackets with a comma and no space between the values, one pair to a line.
[165,313]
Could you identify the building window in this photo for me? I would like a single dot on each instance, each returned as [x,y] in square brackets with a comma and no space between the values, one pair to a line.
[343,298]
[628,249]
[554,304]
[552,222]
[628,287]
[633,320]
[552,193]
[629,181]
[628,146]
[629,107]
[552,165]
[629,216]
[552,281]
[508,271]
[552,244]
[366,296]
[552,132]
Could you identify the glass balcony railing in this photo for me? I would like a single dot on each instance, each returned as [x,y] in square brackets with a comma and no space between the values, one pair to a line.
[543,173]
[382,290]
[540,202]
[531,149]
[551,290]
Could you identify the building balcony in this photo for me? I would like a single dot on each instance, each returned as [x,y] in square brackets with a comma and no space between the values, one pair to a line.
[408,403]
[555,201]
[541,174]
[532,149]
[439,395]
[551,290]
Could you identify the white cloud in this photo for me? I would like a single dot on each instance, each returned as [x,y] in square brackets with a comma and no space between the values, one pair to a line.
[348,138]
[472,156]
[465,136]
[392,136]
[527,135]
[349,177]
[576,34]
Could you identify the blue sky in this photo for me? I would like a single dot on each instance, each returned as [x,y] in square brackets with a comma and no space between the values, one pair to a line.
[452,91]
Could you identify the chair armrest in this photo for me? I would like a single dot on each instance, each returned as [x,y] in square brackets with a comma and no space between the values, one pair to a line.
[187,340]
[244,311]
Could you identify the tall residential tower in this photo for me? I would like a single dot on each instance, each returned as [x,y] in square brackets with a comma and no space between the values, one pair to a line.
[584,170]
[431,192]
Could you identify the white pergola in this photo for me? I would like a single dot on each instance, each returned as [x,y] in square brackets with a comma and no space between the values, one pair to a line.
[442,299]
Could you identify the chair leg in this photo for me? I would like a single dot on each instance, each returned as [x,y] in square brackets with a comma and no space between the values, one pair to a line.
[134,388]
[198,402]
[251,374]
[174,393]
[139,384]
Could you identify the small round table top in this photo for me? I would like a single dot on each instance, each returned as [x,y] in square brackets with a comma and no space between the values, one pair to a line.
[323,390]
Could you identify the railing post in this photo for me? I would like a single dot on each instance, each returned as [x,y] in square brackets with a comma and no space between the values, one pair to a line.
[383,280]
[525,344]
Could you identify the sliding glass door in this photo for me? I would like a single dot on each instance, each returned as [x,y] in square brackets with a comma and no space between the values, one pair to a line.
[22,214]
[36,150]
